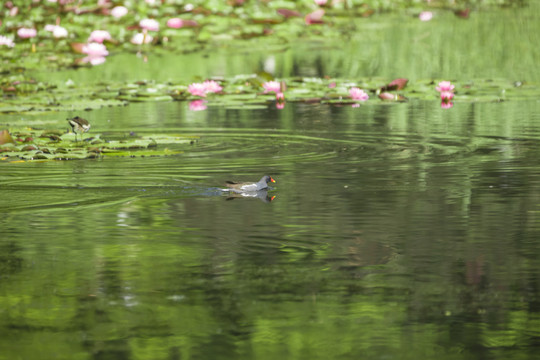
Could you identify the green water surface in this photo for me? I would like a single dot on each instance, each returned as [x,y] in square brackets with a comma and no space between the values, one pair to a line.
[397,231]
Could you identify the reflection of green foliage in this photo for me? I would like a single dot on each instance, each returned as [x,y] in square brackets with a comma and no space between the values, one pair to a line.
[89,268]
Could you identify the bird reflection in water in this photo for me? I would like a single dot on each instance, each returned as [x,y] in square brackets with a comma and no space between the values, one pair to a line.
[261,195]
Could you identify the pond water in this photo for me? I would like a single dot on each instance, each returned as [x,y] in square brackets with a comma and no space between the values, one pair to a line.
[396,231]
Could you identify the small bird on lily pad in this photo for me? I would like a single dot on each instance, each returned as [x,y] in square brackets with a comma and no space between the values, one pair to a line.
[79,125]
[243,187]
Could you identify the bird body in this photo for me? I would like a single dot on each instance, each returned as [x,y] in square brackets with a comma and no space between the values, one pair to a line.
[246,187]
[79,125]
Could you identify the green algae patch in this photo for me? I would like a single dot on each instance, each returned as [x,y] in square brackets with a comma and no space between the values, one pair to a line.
[51,144]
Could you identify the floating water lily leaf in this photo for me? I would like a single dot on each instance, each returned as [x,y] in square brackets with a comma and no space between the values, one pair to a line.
[288,13]
[339,101]
[464,14]
[77,47]
[142,98]
[246,107]
[5,137]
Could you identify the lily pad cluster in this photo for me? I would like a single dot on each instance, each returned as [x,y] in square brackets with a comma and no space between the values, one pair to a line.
[53,144]
[248,92]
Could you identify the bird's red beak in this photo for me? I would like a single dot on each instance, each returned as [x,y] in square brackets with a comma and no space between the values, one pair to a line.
[272,180]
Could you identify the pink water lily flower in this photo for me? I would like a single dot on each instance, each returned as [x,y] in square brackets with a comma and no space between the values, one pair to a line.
[445,86]
[149,24]
[26,33]
[99,36]
[280,97]
[96,53]
[5,41]
[95,49]
[274,86]
[321,2]
[60,32]
[212,86]
[358,94]
[425,16]
[175,23]
[140,38]
[446,96]
[197,89]
[119,11]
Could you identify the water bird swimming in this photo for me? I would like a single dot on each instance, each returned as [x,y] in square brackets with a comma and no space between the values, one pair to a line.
[241,187]
[79,125]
